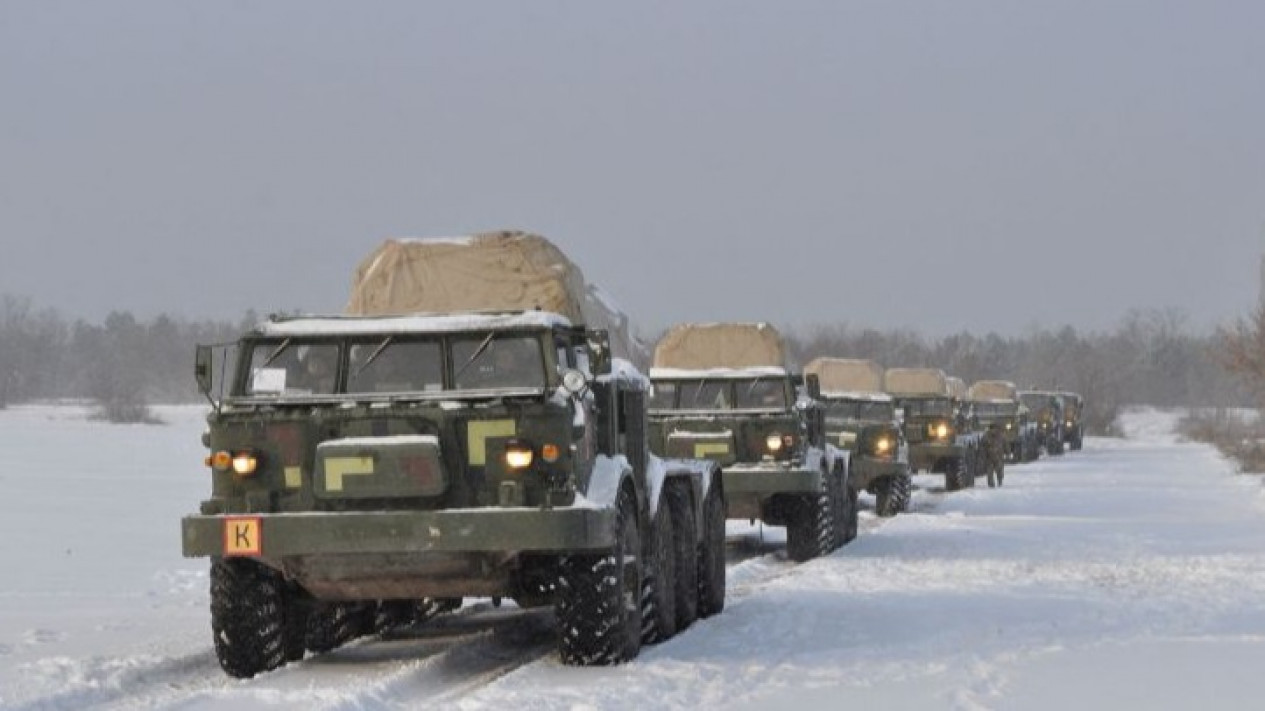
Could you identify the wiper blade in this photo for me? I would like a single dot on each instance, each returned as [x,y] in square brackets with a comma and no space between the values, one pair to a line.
[477,352]
[273,356]
[374,355]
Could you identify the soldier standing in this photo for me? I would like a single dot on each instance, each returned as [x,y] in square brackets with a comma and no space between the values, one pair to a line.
[995,454]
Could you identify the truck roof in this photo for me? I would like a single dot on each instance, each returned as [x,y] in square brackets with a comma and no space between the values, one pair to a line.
[916,381]
[706,346]
[847,375]
[316,325]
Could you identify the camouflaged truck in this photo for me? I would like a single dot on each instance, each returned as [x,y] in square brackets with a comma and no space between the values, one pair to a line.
[939,441]
[723,392]
[1073,414]
[997,401]
[1047,410]
[861,419]
[379,468]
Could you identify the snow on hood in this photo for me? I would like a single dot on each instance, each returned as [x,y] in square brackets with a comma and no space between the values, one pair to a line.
[856,395]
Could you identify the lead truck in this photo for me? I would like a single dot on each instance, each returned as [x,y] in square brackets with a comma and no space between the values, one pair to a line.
[472,427]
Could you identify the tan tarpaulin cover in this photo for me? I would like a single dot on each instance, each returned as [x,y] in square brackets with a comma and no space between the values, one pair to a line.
[720,345]
[502,271]
[957,387]
[842,375]
[916,381]
[993,390]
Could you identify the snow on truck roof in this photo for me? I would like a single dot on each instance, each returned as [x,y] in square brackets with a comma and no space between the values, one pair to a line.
[711,373]
[317,325]
[863,395]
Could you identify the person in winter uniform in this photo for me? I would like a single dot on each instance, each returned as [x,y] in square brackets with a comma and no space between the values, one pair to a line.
[994,451]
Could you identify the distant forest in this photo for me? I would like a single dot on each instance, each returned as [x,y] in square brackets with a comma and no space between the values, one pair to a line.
[1151,358]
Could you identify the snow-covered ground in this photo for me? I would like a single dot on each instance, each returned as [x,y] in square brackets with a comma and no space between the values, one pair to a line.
[1129,575]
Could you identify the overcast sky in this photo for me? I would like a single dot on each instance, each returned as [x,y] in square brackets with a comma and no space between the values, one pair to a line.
[931,165]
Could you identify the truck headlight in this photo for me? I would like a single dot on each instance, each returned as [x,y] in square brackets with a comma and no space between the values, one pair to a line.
[940,431]
[518,455]
[773,442]
[245,463]
[1010,425]
[1068,424]
[882,445]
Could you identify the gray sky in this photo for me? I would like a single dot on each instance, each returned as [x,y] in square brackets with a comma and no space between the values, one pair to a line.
[933,165]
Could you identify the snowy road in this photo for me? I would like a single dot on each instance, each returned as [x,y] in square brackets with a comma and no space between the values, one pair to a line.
[1130,574]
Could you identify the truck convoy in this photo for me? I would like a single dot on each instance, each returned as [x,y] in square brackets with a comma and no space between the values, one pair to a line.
[940,441]
[463,431]
[722,391]
[861,419]
[1047,409]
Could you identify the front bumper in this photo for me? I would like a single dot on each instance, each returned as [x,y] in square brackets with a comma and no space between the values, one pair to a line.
[747,489]
[926,455]
[864,471]
[451,531]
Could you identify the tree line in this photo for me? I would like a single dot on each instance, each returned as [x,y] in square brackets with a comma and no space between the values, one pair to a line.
[1153,358]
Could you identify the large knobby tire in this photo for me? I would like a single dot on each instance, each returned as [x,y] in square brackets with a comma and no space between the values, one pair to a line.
[842,508]
[247,616]
[331,625]
[958,476]
[294,635]
[598,607]
[658,586]
[892,495]
[711,554]
[685,539]
[852,524]
[810,532]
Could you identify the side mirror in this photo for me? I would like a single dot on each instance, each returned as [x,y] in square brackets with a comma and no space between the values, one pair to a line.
[599,352]
[813,385]
[202,362]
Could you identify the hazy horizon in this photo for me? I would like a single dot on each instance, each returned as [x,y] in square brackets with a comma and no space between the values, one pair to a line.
[973,166]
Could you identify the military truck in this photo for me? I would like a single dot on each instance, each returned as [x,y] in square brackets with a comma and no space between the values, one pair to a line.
[1073,414]
[939,441]
[723,392]
[391,465]
[861,419]
[997,401]
[1047,410]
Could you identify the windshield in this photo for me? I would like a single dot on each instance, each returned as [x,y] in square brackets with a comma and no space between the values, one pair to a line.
[995,409]
[928,408]
[861,410]
[393,364]
[289,368]
[497,362]
[1037,402]
[720,394]
[390,366]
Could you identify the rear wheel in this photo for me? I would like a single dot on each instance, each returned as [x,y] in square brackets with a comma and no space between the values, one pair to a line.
[711,558]
[658,588]
[331,625]
[598,607]
[248,620]
[685,532]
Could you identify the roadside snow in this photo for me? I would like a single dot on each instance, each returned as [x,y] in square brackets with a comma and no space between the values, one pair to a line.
[1128,575]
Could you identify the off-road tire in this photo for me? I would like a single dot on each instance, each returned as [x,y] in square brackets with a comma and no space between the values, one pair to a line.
[711,554]
[247,616]
[810,531]
[295,633]
[598,609]
[394,615]
[852,521]
[839,509]
[957,475]
[685,539]
[331,625]
[658,585]
[892,495]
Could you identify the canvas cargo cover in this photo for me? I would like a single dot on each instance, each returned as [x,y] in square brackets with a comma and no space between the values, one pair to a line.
[492,271]
[720,345]
[957,387]
[916,381]
[840,375]
[993,390]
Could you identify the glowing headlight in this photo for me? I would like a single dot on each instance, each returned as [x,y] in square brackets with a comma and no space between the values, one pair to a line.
[221,461]
[245,463]
[773,442]
[1009,425]
[518,455]
[942,430]
[1069,423]
[882,445]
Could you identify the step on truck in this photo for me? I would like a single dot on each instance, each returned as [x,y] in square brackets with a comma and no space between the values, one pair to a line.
[723,392]
[368,471]
[861,420]
[934,425]
[997,402]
